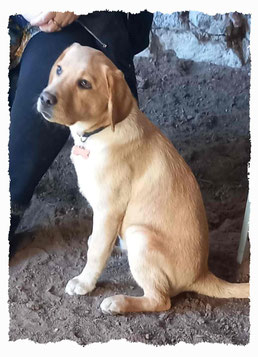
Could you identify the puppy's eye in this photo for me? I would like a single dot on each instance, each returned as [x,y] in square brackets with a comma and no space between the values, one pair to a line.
[59,70]
[84,84]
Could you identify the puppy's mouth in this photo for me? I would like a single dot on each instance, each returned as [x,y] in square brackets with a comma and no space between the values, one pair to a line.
[46,115]
[46,112]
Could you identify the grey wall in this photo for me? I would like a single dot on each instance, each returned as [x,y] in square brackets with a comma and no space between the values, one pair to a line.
[222,39]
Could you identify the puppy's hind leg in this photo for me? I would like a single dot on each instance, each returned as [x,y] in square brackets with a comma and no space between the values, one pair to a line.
[146,263]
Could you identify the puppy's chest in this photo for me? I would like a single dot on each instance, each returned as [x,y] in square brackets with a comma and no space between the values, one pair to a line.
[90,169]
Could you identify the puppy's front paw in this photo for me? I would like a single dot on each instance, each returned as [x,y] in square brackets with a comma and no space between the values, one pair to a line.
[78,287]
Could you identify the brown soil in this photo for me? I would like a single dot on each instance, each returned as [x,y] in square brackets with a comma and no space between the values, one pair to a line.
[204,110]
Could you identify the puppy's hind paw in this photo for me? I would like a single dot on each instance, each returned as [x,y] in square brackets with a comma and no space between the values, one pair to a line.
[112,305]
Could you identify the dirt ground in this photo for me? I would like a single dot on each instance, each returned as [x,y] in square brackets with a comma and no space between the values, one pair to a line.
[204,111]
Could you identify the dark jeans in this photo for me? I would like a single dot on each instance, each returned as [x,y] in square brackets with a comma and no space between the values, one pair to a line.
[34,142]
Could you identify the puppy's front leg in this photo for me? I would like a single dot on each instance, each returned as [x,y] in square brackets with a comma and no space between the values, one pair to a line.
[105,228]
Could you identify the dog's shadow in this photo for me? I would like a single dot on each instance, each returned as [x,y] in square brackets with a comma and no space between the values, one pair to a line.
[56,239]
[52,239]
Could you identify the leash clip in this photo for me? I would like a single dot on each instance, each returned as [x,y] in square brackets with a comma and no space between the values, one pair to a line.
[83,138]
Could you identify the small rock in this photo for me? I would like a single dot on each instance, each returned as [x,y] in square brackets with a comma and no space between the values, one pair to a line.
[147,336]
[208,307]
[200,320]
[32,306]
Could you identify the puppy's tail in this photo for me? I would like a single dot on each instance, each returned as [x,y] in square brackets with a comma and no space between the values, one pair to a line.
[212,286]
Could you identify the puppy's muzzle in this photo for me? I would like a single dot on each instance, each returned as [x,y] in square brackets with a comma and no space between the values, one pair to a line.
[46,103]
[47,99]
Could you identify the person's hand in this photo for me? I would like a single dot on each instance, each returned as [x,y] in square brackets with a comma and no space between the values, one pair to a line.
[53,21]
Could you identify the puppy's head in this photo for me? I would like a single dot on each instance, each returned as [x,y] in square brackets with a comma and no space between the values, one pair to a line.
[85,87]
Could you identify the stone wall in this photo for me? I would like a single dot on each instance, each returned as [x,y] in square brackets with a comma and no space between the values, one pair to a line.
[222,39]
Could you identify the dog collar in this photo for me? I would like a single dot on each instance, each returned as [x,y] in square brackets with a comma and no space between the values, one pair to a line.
[86,135]
[81,150]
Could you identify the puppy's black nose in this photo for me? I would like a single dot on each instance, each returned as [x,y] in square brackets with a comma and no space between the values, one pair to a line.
[48,99]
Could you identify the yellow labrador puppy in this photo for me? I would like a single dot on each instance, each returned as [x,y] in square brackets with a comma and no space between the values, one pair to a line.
[138,185]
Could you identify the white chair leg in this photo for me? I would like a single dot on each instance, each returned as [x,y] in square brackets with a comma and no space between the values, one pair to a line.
[244,232]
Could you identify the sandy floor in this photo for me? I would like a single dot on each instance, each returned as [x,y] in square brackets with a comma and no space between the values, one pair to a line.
[203,109]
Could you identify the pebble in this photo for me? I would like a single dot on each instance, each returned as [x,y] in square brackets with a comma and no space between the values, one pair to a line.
[32,306]
[200,320]
[147,336]
[208,307]
[189,117]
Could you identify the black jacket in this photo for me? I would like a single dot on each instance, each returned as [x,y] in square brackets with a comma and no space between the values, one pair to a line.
[112,26]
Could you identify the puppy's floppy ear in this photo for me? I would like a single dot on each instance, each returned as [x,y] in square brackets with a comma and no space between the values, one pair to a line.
[120,97]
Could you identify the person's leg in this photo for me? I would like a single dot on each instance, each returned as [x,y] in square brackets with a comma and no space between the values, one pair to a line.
[34,143]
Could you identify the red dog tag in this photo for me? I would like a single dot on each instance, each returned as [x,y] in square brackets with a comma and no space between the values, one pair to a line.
[78,150]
